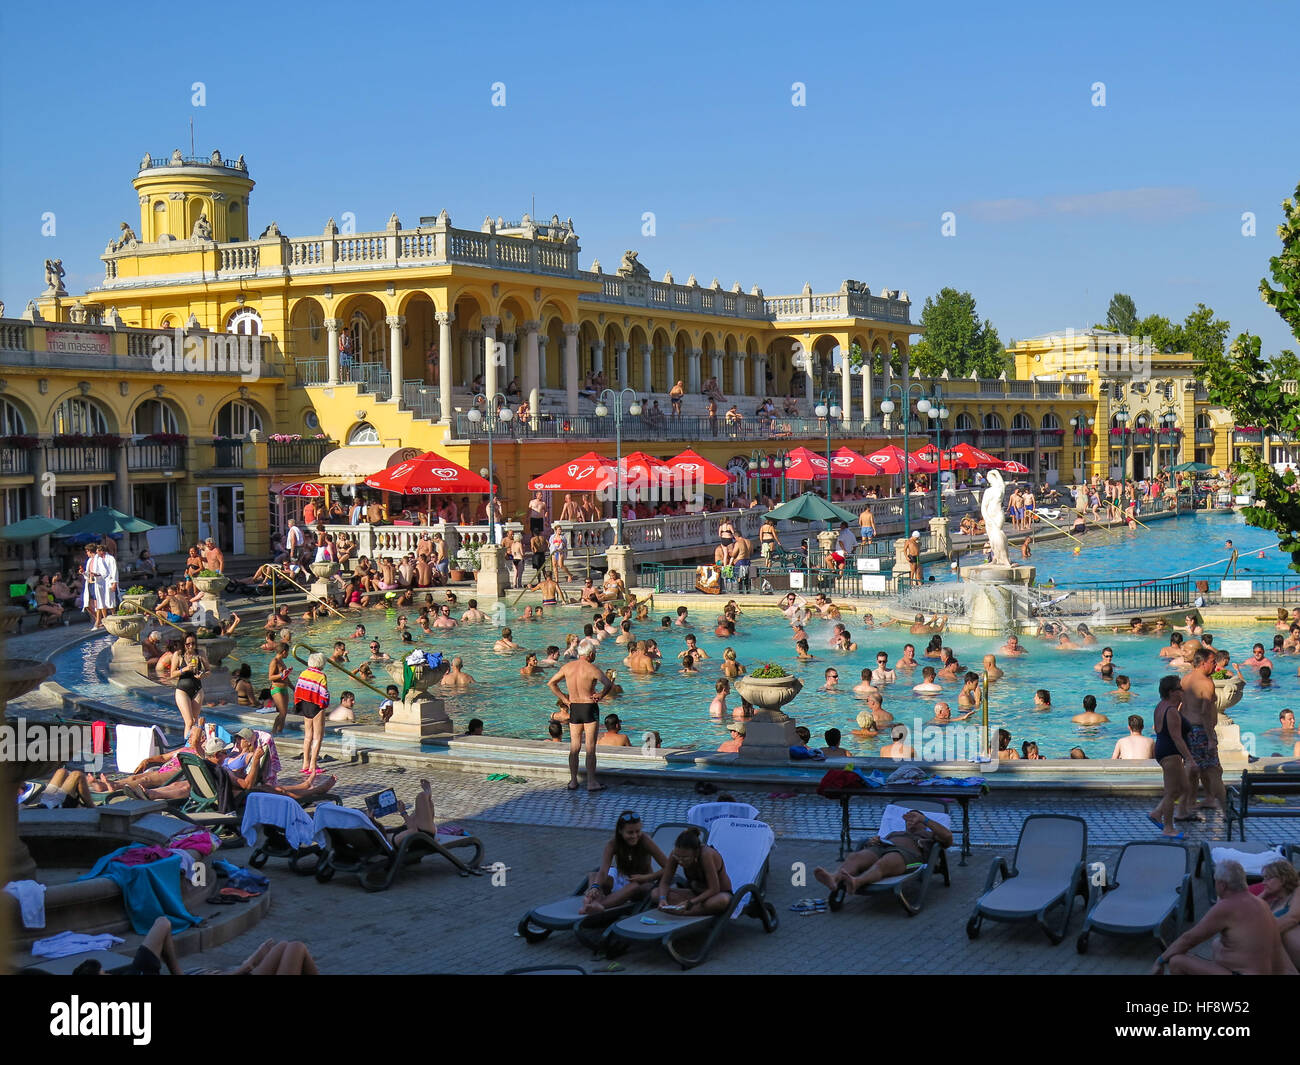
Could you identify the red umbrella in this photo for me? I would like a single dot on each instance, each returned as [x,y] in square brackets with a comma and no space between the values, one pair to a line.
[430,474]
[1012,466]
[693,465]
[577,475]
[304,488]
[982,459]
[806,465]
[890,460]
[845,462]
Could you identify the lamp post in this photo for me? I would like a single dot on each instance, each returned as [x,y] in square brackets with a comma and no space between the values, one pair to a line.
[1079,423]
[494,410]
[828,411]
[780,462]
[1168,418]
[609,402]
[937,413]
[1121,416]
[887,407]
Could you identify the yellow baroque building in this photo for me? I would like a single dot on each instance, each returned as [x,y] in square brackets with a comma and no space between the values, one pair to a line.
[214,367]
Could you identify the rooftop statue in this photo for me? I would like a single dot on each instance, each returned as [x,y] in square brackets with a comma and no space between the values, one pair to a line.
[630,267]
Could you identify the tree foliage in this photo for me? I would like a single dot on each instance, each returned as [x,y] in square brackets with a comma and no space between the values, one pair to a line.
[956,339]
[1252,388]
[1122,316]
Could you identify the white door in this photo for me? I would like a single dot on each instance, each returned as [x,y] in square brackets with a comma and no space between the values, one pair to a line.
[237,531]
[207,511]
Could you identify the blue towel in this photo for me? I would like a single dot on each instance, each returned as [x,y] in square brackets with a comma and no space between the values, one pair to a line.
[148,891]
[433,659]
[874,779]
[223,735]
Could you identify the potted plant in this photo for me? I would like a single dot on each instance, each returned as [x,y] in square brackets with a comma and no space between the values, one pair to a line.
[125,624]
[466,563]
[1228,689]
[138,599]
[165,438]
[21,441]
[769,687]
[209,581]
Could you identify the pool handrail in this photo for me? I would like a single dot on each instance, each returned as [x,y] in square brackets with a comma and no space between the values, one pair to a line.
[328,662]
[319,602]
[186,632]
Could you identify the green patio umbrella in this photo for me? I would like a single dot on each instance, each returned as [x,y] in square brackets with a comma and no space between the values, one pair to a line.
[105,521]
[810,507]
[1193,467]
[32,528]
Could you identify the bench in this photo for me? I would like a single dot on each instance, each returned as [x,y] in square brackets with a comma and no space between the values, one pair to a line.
[1255,786]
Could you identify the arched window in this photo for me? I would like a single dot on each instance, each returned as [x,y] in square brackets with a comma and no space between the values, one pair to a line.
[12,422]
[365,433]
[1143,421]
[237,418]
[1051,421]
[993,421]
[1203,421]
[363,340]
[154,416]
[77,414]
[1021,423]
[964,422]
[246,322]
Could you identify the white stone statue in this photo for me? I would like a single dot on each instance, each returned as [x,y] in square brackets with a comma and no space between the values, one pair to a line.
[54,274]
[994,516]
[202,227]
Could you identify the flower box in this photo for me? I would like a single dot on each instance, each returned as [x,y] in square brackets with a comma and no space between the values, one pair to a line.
[21,441]
[108,440]
[165,438]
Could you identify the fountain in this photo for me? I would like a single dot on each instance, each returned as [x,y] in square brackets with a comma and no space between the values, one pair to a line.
[769,734]
[995,595]
[418,715]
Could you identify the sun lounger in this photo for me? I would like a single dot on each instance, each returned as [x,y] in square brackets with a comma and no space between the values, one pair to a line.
[745,847]
[1047,870]
[1152,882]
[355,844]
[703,814]
[1274,851]
[275,826]
[908,888]
[562,915]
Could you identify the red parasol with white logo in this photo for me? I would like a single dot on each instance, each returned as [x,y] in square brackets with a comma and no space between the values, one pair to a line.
[1012,466]
[982,459]
[582,474]
[696,466]
[892,460]
[806,465]
[430,474]
[304,488]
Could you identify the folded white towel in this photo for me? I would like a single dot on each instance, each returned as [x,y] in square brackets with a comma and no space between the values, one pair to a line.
[31,900]
[135,743]
[1252,863]
[66,944]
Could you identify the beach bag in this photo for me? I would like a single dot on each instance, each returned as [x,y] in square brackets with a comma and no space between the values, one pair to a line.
[840,780]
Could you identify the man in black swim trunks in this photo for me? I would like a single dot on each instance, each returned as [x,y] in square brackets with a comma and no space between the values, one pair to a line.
[582,701]
[881,858]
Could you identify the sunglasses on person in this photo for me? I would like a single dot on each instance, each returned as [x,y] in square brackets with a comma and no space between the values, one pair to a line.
[629,819]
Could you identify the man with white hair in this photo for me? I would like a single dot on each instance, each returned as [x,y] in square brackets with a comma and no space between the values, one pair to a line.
[1248,942]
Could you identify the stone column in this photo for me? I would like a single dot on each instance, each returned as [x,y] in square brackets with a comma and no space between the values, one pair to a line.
[332,326]
[41,505]
[571,368]
[620,352]
[738,374]
[867,412]
[846,387]
[528,379]
[493,579]
[445,318]
[715,365]
[542,376]
[598,357]
[810,382]
[395,323]
[509,340]
[647,369]
[466,358]
[694,383]
[940,537]
[121,481]
[490,367]
[669,352]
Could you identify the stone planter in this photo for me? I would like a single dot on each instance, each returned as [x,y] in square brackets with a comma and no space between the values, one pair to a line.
[323,572]
[768,693]
[423,679]
[211,604]
[142,603]
[1228,692]
[20,676]
[216,648]
[11,618]
[211,585]
[124,626]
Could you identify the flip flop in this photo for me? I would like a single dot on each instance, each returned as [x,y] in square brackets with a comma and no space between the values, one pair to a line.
[1154,821]
[836,899]
[237,893]
[1189,817]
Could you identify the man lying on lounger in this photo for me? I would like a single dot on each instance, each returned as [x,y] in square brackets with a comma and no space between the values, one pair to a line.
[895,855]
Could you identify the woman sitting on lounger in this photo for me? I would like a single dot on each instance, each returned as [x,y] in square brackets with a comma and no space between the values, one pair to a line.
[624,872]
[895,855]
[708,887]
[244,770]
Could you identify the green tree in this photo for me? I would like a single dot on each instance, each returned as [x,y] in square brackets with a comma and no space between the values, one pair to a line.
[1163,334]
[1253,390]
[956,339]
[1122,315]
[1202,334]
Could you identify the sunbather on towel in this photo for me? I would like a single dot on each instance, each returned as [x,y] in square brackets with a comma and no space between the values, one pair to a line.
[624,872]
[708,889]
[245,772]
[158,949]
[892,856]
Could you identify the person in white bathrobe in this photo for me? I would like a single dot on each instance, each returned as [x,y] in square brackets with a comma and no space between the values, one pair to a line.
[90,573]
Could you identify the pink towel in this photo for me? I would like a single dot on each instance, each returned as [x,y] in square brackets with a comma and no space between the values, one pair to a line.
[142,855]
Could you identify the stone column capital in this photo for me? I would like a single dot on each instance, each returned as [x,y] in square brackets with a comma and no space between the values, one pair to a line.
[621,348]
[530,326]
[476,334]
[647,349]
[599,345]
[542,340]
[508,338]
[489,322]
[445,317]
[333,324]
[670,351]
[395,319]
[570,329]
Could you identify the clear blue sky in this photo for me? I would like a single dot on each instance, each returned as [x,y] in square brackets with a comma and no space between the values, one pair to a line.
[685,110]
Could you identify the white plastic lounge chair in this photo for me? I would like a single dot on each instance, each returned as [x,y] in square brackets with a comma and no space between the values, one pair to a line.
[1273,851]
[562,915]
[909,888]
[1048,870]
[745,847]
[1152,882]
[703,814]
[353,843]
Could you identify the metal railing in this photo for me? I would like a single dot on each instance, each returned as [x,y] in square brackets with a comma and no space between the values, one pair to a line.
[310,371]
[153,456]
[228,455]
[15,461]
[422,400]
[689,429]
[1277,591]
[1166,594]
[78,460]
[298,453]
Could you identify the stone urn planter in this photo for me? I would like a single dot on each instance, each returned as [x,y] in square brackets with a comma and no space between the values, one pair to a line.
[323,572]
[217,685]
[216,648]
[20,676]
[124,626]
[11,618]
[1228,692]
[423,679]
[768,693]
[141,603]
[211,600]
[211,585]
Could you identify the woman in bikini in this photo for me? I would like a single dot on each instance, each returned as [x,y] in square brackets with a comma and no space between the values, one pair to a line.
[277,675]
[894,855]
[624,872]
[708,887]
